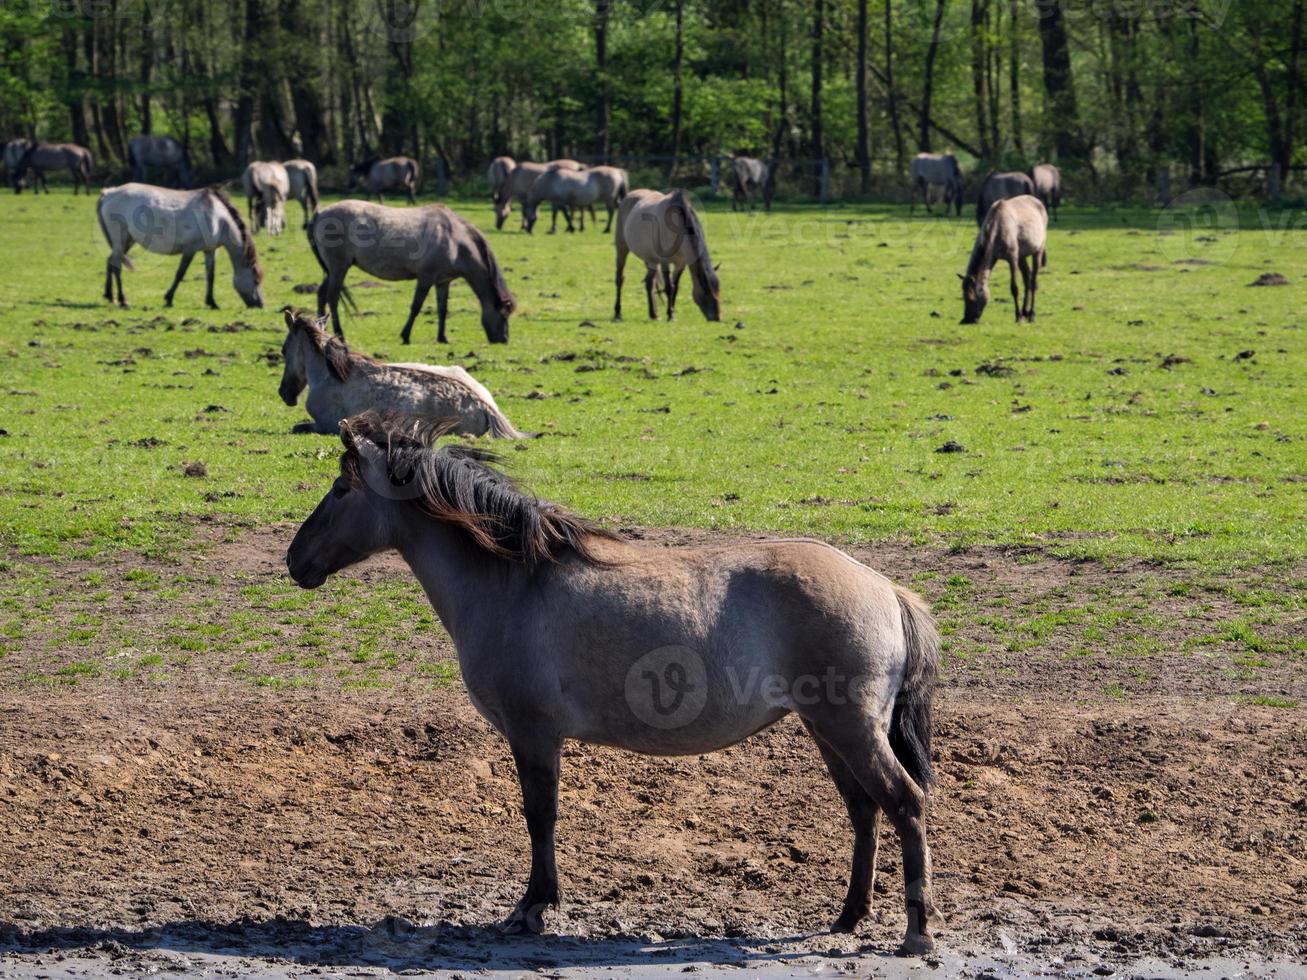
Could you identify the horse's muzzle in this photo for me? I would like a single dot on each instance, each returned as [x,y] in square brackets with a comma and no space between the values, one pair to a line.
[305,578]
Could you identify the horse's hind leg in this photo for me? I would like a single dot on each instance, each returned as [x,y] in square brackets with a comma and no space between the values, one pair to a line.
[864,815]
[670,290]
[649,292]
[622,252]
[674,289]
[210,260]
[177,279]
[1016,295]
[442,310]
[537,771]
[1032,287]
[419,297]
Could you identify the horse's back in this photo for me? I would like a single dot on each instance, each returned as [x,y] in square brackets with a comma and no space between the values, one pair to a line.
[1022,221]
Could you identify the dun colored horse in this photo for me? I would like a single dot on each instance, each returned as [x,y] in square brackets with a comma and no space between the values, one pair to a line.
[163,152]
[665,233]
[431,244]
[303,177]
[564,631]
[172,222]
[516,181]
[931,170]
[998,187]
[1015,229]
[1048,186]
[377,176]
[751,177]
[40,157]
[267,186]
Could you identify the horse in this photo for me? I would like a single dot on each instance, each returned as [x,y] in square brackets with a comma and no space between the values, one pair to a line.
[342,383]
[40,157]
[1015,229]
[391,174]
[567,190]
[144,152]
[303,176]
[13,152]
[432,244]
[564,631]
[268,184]
[664,231]
[518,181]
[1048,186]
[999,186]
[752,176]
[497,175]
[929,170]
[611,185]
[174,222]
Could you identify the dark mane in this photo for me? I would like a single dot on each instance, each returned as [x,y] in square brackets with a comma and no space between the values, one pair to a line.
[363,166]
[702,270]
[339,358]
[506,301]
[247,240]
[459,485]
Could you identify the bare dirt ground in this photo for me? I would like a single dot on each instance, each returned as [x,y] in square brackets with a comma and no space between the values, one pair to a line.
[207,825]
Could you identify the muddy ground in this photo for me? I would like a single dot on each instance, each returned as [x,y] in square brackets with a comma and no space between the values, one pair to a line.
[208,825]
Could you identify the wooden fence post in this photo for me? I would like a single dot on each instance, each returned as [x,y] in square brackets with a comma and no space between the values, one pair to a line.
[825,180]
[714,176]
[1164,187]
[1273,183]
[440,176]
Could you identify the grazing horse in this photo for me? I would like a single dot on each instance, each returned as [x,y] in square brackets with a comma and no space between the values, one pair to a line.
[664,231]
[13,152]
[165,152]
[567,190]
[391,174]
[1048,186]
[40,157]
[1000,186]
[1015,229]
[751,177]
[518,182]
[267,186]
[930,170]
[611,185]
[172,222]
[303,177]
[565,631]
[342,383]
[432,244]
[497,175]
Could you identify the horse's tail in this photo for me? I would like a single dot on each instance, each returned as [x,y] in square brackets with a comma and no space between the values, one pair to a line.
[624,187]
[345,294]
[910,724]
[311,192]
[501,428]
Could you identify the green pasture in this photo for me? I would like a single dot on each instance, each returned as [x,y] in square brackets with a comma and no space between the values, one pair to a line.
[1156,410]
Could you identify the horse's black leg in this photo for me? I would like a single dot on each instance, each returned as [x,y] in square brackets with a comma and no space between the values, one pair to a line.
[537,771]
[675,288]
[649,292]
[442,310]
[609,227]
[670,290]
[412,195]
[1032,287]
[118,278]
[864,815]
[177,279]
[419,297]
[1016,297]
[108,279]
[622,252]
[210,261]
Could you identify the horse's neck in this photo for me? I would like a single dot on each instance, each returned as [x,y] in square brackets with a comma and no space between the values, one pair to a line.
[982,255]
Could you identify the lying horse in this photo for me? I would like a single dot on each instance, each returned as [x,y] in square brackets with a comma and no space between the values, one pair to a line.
[565,631]
[1015,229]
[40,157]
[518,180]
[303,177]
[998,187]
[377,176]
[431,244]
[931,170]
[267,186]
[342,383]
[170,222]
[1048,186]
[751,177]
[666,234]
[144,152]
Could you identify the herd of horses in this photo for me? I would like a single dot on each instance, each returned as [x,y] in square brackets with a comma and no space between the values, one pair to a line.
[526,588]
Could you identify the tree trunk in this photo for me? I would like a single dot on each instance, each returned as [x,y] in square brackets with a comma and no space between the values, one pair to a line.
[923,138]
[147,67]
[817,146]
[248,83]
[892,91]
[1293,82]
[601,67]
[1058,85]
[860,74]
[979,17]
[73,87]
[782,91]
[1014,72]
[397,95]
[677,93]
[302,70]
[97,120]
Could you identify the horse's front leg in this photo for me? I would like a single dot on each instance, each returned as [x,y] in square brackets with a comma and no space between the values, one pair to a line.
[177,279]
[670,289]
[537,772]
[419,297]
[442,310]
[210,261]
[674,290]
[1016,297]
[649,292]
[622,252]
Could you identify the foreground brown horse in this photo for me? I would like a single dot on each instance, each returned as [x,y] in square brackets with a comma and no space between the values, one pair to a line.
[564,631]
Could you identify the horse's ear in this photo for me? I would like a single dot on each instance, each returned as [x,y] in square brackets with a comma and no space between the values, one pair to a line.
[716,267]
[962,277]
[289,313]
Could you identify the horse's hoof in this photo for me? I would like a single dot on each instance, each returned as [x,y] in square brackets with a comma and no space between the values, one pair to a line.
[915,944]
[846,924]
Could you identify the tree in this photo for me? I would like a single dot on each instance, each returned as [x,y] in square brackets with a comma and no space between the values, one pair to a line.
[864,138]
[1062,116]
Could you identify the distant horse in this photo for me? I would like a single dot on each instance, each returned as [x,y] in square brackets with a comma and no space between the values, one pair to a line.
[303,177]
[518,181]
[267,186]
[1015,229]
[342,383]
[930,170]
[13,152]
[1048,186]
[1000,186]
[172,222]
[432,244]
[611,184]
[665,233]
[144,152]
[377,176]
[564,632]
[570,190]
[497,175]
[751,177]
[40,157]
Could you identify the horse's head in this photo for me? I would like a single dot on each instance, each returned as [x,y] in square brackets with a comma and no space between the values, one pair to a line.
[707,290]
[359,172]
[357,517]
[494,320]
[295,354]
[503,205]
[975,295]
[248,281]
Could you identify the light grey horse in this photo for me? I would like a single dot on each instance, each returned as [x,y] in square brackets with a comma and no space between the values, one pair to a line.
[497,175]
[303,177]
[164,152]
[342,383]
[564,631]
[377,176]
[1000,186]
[570,190]
[1015,230]
[432,244]
[267,186]
[931,170]
[519,180]
[665,233]
[611,185]
[40,157]
[1048,186]
[172,222]
[751,177]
